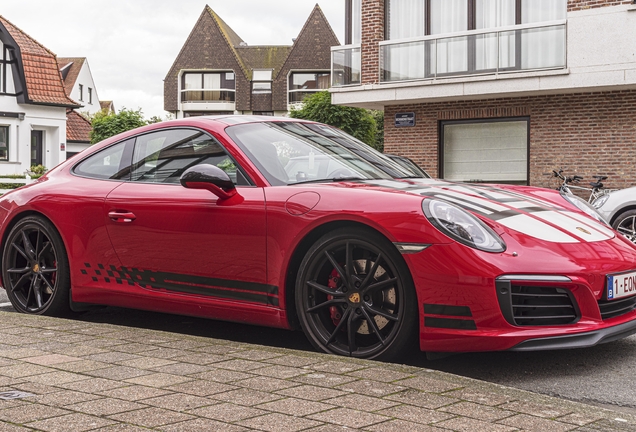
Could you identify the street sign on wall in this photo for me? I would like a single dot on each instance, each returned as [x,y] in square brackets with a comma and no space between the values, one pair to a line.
[405,119]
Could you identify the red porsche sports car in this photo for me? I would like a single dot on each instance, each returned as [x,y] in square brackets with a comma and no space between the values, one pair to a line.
[295,224]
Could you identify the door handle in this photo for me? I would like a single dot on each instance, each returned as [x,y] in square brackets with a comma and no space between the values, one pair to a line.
[122,216]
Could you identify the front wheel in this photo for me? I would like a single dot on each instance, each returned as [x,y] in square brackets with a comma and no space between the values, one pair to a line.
[625,224]
[35,268]
[355,296]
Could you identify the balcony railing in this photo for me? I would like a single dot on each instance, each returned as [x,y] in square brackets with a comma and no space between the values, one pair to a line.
[516,48]
[346,65]
[208,95]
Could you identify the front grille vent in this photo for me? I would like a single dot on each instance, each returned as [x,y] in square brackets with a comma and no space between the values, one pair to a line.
[535,305]
[614,308]
[542,306]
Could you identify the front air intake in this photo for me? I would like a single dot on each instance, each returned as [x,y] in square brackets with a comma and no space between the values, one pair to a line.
[536,305]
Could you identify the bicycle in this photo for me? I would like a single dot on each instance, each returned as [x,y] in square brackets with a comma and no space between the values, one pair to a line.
[570,183]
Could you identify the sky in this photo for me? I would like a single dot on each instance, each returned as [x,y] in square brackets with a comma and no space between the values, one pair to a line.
[131,44]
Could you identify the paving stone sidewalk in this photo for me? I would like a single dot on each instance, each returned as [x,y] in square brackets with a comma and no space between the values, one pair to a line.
[80,376]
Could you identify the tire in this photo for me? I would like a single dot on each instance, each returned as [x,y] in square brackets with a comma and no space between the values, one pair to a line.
[625,223]
[355,296]
[35,269]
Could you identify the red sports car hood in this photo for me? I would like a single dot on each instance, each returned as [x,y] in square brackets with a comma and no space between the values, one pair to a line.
[511,208]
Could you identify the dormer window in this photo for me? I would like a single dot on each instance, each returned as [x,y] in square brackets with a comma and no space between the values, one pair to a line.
[261,81]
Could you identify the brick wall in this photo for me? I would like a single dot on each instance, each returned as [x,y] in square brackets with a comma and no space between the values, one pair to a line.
[574,5]
[588,134]
[372,33]
[205,48]
[311,51]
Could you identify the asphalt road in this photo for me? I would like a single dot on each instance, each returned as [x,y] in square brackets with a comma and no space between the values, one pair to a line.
[602,375]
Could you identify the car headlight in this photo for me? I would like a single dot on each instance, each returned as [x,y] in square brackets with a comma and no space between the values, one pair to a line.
[585,207]
[462,226]
[598,202]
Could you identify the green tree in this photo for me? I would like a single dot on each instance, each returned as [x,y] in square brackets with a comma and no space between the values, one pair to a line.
[357,122]
[106,125]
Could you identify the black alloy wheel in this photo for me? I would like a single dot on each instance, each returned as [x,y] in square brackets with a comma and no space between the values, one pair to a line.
[35,268]
[625,224]
[355,296]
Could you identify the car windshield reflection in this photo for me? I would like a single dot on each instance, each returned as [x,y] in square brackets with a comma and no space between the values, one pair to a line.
[290,153]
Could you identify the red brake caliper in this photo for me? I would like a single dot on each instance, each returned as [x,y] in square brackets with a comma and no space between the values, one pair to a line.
[333,284]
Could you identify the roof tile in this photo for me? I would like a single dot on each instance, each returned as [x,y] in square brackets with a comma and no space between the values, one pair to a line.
[43,80]
[78,128]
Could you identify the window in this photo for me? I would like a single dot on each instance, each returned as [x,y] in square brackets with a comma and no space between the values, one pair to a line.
[487,51]
[81,92]
[208,87]
[4,143]
[90,95]
[494,151]
[4,64]
[302,84]
[353,22]
[161,157]
[262,81]
[110,163]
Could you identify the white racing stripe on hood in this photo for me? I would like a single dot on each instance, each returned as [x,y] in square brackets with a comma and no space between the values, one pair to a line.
[490,205]
[592,224]
[536,228]
[572,226]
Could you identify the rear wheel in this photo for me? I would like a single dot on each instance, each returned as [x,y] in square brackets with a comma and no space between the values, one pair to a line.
[355,296]
[35,268]
[625,224]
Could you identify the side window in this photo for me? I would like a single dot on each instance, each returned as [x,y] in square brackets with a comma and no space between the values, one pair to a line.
[161,157]
[110,163]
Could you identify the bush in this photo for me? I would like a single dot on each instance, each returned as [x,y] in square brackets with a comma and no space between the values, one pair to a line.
[106,125]
[357,122]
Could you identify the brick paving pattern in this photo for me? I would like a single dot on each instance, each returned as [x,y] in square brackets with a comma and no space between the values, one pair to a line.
[101,377]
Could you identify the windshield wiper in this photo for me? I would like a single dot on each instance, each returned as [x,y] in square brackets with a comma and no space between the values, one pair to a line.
[328,180]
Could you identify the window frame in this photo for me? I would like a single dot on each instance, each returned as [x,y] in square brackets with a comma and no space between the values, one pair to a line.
[202,88]
[314,72]
[81,92]
[129,149]
[8,136]
[266,84]
[440,147]
[90,95]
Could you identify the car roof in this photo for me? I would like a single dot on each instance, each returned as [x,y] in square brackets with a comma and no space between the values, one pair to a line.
[234,119]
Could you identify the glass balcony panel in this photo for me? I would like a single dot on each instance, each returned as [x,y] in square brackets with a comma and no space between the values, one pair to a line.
[543,47]
[486,52]
[493,51]
[507,50]
[299,96]
[207,96]
[346,65]
[404,61]
[452,55]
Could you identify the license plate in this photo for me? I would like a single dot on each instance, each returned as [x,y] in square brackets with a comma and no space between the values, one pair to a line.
[621,285]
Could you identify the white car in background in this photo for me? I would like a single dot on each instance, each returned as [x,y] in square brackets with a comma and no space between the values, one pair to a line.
[619,209]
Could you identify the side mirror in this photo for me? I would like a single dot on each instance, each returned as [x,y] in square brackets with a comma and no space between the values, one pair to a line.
[208,177]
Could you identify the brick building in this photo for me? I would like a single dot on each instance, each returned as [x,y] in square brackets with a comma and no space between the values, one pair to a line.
[497,90]
[216,72]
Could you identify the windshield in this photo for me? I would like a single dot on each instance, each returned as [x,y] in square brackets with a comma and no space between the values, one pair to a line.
[291,152]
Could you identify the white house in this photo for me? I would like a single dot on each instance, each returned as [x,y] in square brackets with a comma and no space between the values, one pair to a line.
[33,103]
[79,84]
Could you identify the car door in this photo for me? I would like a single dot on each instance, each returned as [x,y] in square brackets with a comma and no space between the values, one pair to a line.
[187,241]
